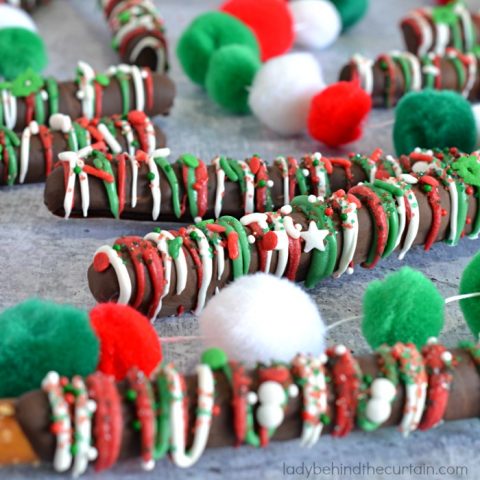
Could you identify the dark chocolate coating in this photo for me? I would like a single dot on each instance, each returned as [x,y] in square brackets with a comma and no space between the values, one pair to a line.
[163,95]
[33,411]
[448,76]
[36,166]
[413,40]
[232,200]
[104,285]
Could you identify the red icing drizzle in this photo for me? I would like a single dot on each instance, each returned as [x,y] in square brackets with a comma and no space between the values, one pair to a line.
[5,155]
[133,245]
[98,98]
[240,385]
[292,170]
[346,165]
[294,254]
[434,201]
[439,382]
[121,182]
[259,169]
[201,187]
[347,384]
[194,254]
[47,139]
[29,108]
[155,270]
[374,205]
[257,232]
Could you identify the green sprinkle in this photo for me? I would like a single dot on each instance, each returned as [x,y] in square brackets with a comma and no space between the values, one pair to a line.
[325,419]
[117,247]
[131,395]
[262,183]
[150,176]
[103,80]
[215,358]
[190,160]
[77,170]
[137,425]
[174,247]
[427,188]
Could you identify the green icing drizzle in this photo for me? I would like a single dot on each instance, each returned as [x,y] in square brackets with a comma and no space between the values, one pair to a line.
[101,162]
[173,181]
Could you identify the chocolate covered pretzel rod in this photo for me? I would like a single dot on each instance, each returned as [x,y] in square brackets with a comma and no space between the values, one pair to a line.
[394,74]
[225,405]
[30,156]
[191,190]
[116,92]
[138,33]
[435,29]
[309,240]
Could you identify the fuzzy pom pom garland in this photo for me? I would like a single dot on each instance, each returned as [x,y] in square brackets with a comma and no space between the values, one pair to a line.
[317,23]
[21,46]
[404,307]
[434,119]
[260,327]
[282,91]
[270,20]
[337,114]
[39,336]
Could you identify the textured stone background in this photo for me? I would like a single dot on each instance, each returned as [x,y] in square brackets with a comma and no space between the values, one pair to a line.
[41,255]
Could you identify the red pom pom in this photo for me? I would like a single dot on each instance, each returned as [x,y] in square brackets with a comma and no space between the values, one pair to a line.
[270,20]
[127,339]
[337,113]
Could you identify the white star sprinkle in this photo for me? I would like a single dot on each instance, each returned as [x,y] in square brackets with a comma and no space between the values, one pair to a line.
[314,238]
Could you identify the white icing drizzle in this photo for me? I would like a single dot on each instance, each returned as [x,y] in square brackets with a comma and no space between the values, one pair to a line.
[315,397]
[364,68]
[136,75]
[472,68]
[206,390]
[321,174]
[123,278]
[290,227]
[415,397]
[262,220]
[282,243]
[401,210]
[421,167]
[220,191]
[70,158]
[63,455]
[350,229]
[442,38]
[153,43]
[207,267]
[110,140]
[31,129]
[414,223]
[468,29]
[127,132]
[84,409]
[9,102]
[282,162]
[155,184]
[397,169]
[181,268]
[249,187]
[426,39]
[151,137]
[86,90]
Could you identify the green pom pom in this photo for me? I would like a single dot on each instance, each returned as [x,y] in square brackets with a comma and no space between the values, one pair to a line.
[351,11]
[208,33]
[404,307]
[433,119]
[470,283]
[215,358]
[37,337]
[229,75]
[21,49]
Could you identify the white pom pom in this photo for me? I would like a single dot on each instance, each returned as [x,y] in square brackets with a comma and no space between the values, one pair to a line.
[15,17]
[378,410]
[271,392]
[317,23]
[263,318]
[476,115]
[282,91]
[383,388]
[270,416]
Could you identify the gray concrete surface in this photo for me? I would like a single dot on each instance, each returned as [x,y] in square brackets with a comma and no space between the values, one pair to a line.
[41,255]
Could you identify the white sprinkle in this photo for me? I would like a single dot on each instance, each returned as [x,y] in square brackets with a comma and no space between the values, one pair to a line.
[286,209]
[251,239]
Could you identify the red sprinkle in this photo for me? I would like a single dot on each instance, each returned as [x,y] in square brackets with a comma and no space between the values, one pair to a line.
[254,165]
[232,239]
[329,211]
[216,228]
[101,262]
[269,241]
[469,190]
